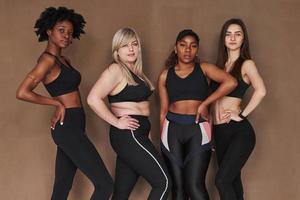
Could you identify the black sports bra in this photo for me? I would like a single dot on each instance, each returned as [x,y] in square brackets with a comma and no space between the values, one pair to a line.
[132,93]
[238,92]
[67,81]
[192,87]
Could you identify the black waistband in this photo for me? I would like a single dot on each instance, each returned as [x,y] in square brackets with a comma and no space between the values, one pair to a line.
[183,118]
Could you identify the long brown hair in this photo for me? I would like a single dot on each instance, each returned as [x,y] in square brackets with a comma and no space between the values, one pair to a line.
[222,51]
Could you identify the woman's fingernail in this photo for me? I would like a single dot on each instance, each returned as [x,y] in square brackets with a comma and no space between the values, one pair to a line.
[52,128]
[61,123]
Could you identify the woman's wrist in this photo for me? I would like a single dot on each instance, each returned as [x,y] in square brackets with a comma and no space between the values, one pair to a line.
[114,121]
[242,116]
[204,103]
[57,103]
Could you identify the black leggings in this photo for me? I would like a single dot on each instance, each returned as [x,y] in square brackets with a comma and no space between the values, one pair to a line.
[136,156]
[186,149]
[74,150]
[234,144]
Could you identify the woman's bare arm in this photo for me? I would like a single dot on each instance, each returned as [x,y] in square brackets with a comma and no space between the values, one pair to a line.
[107,81]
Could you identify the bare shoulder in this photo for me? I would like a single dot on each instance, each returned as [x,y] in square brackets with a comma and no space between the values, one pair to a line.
[163,77]
[249,62]
[208,68]
[45,62]
[205,65]
[46,59]
[248,66]
[163,74]
[113,72]
[114,68]
[42,68]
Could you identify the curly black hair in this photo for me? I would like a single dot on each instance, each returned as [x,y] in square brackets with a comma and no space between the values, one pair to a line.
[51,16]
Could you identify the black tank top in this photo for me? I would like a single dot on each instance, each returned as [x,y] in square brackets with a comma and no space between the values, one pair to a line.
[238,92]
[132,93]
[192,87]
[67,81]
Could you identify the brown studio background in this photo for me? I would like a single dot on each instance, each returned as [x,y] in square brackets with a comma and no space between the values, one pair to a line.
[27,152]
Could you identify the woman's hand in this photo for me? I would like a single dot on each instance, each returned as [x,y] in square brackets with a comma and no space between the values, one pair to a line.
[127,122]
[58,115]
[231,115]
[202,112]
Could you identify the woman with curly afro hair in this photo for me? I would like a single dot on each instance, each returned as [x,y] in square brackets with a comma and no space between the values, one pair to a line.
[58,26]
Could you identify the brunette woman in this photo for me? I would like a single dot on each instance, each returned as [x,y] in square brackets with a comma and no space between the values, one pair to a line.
[234,135]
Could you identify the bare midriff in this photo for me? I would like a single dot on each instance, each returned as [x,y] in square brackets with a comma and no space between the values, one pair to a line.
[70,100]
[185,107]
[131,108]
[220,106]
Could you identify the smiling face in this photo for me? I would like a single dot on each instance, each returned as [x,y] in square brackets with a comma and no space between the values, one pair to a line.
[61,34]
[128,53]
[234,37]
[186,49]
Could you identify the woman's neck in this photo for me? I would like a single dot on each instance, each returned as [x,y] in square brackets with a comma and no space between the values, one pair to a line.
[130,66]
[182,65]
[53,49]
[233,55]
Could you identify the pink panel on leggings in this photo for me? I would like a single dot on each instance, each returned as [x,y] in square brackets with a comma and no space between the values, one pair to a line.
[164,134]
[206,132]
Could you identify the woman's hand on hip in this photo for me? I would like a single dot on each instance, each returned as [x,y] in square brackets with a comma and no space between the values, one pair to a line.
[58,115]
[231,115]
[202,112]
[127,122]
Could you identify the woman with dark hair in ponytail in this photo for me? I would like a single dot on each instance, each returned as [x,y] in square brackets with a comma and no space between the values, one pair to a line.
[58,26]
[184,100]
[234,135]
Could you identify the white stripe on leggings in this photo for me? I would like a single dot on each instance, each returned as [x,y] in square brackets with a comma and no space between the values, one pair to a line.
[167,182]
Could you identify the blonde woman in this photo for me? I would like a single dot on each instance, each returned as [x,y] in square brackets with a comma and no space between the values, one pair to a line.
[128,90]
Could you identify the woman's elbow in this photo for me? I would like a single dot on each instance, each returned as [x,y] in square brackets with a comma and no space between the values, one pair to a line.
[262,93]
[91,100]
[20,94]
[232,83]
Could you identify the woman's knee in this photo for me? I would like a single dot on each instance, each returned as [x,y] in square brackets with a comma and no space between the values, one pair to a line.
[221,182]
[196,189]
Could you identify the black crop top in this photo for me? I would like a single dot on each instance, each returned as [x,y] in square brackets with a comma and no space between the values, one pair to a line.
[238,92]
[132,93]
[67,81]
[192,87]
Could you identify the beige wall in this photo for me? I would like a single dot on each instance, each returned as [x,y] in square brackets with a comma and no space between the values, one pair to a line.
[27,151]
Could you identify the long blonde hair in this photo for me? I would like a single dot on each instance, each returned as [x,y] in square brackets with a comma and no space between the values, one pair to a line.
[121,38]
